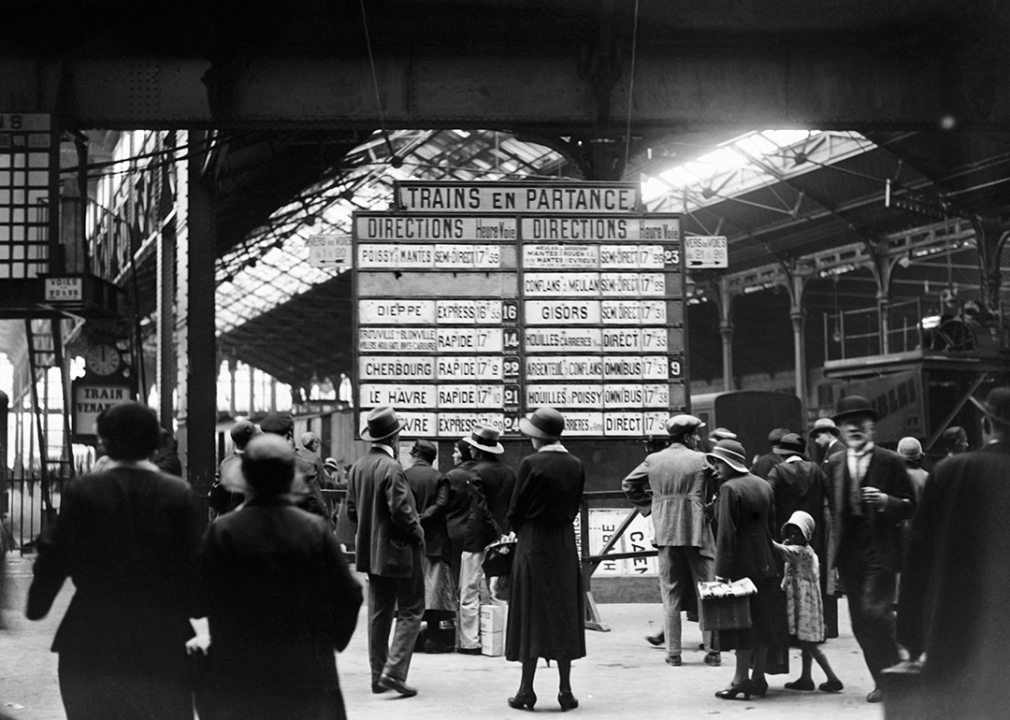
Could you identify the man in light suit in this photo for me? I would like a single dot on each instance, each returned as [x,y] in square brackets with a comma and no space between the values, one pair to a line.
[390,548]
[870,496]
[684,540]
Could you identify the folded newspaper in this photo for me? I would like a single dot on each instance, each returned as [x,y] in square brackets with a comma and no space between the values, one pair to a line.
[716,589]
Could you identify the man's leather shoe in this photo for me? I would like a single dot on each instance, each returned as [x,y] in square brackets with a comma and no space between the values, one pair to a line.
[655,640]
[377,689]
[876,695]
[469,651]
[391,683]
[674,660]
[713,658]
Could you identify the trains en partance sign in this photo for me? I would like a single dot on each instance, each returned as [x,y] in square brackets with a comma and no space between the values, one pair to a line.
[479,302]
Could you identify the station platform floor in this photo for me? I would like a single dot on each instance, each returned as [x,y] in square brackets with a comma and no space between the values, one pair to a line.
[621,676]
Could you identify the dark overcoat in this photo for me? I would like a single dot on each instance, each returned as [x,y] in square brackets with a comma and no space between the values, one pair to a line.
[389,535]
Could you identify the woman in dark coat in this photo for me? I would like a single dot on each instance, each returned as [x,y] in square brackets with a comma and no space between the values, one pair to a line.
[547,609]
[743,549]
[279,599]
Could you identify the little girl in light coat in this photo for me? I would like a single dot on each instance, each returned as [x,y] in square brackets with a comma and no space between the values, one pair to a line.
[802,584]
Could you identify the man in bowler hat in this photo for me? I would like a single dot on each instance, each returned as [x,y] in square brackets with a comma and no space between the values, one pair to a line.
[390,548]
[869,497]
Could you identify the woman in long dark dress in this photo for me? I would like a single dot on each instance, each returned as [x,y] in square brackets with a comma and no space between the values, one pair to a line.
[743,549]
[547,608]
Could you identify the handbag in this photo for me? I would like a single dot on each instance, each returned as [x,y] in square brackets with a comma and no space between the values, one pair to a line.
[498,557]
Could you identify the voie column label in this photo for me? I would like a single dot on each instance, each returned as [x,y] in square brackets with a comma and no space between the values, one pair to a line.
[479,302]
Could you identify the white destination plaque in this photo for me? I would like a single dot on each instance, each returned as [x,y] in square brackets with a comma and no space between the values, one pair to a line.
[655,422]
[553,340]
[633,312]
[396,256]
[396,368]
[565,257]
[574,367]
[420,397]
[470,340]
[657,395]
[421,228]
[468,312]
[589,397]
[623,424]
[583,424]
[631,257]
[571,312]
[397,339]
[396,312]
[416,424]
[469,368]
[467,256]
[539,284]
[633,284]
[453,425]
[484,397]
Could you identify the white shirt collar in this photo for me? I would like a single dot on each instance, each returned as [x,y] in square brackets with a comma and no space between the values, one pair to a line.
[794,459]
[859,453]
[385,448]
[136,464]
[553,447]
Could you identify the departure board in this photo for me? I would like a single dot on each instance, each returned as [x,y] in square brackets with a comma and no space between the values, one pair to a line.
[479,302]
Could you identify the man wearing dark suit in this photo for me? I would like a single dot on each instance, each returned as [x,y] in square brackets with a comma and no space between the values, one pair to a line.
[390,548]
[309,471]
[955,579]
[127,537]
[491,489]
[825,434]
[764,464]
[279,599]
[870,496]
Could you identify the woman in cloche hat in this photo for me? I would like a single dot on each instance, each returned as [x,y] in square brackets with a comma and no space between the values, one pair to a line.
[743,549]
[546,612]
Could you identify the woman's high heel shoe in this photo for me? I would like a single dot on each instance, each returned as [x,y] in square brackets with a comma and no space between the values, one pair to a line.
[760,687]
[744,688]
[567,701]
[523,699]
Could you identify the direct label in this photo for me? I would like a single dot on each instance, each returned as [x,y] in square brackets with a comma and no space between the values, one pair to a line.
[623,424]
[633,312]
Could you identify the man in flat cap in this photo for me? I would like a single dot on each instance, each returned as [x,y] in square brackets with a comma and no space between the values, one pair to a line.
[390,548]
[684,540]
[431,495]
[869,497]
[764,464]
[955,579]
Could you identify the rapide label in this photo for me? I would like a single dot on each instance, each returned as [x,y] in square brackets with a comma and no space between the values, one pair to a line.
[484,340]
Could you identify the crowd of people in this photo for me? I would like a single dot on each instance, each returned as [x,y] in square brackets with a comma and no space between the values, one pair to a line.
[270,574]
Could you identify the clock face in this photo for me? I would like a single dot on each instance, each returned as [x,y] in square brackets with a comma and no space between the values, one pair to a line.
[102,359]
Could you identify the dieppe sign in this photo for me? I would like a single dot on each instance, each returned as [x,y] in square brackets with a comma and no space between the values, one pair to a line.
[709,251]
[90,400]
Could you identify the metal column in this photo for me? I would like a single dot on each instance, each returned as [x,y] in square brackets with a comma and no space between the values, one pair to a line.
[195,329]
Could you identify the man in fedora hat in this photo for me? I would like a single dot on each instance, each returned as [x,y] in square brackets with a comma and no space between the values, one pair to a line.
[870,496]
[825,433]
[390,548]
[955,579]
[764,464]
[492,482]
[684,540]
